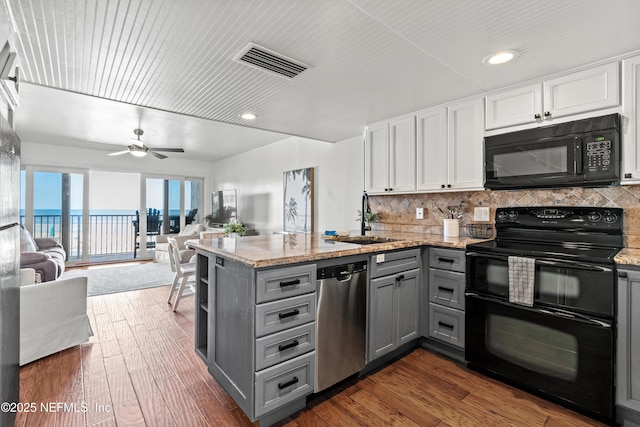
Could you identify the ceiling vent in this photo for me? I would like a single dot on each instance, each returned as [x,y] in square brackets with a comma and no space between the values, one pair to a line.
[268,60]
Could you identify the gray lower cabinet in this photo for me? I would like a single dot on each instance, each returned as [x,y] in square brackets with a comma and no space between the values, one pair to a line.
[259,326]
[393,301]
[446,296]
[628,343]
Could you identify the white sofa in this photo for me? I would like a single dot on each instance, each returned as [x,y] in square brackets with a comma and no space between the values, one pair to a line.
[53,315]
[190,232]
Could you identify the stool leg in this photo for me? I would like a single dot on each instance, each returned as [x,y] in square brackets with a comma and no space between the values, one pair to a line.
[183,282]
[173,288]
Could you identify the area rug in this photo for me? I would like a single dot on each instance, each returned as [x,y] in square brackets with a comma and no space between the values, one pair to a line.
[109,280]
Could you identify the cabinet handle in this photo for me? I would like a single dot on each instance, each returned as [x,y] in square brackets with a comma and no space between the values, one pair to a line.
[445,325]
[400,278]
[537,116]
[448,185]
[628,176]
[288,383]
[447,260]
[289,314]
[445,289]
[547,113]
[623,274]
[293,343]
[442,186]
[290,283]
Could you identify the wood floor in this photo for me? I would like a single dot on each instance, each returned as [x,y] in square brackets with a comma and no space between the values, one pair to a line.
[140,369]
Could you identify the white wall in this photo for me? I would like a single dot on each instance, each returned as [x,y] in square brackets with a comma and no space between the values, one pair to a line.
[257,176]
[56,156]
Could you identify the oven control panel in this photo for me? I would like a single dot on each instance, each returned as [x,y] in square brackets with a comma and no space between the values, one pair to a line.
[561,217]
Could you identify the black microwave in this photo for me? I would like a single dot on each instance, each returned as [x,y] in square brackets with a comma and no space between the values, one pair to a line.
[582,153]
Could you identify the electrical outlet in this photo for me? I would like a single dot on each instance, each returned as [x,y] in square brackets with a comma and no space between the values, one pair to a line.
[419,213]
[481,214]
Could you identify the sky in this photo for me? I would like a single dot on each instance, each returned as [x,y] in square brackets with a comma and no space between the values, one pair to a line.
[109,191]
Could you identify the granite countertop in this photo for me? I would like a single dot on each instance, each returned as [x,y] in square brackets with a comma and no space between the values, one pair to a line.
[628,256]
[279,249]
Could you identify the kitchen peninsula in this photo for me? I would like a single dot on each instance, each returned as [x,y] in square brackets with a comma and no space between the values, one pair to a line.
[256,308]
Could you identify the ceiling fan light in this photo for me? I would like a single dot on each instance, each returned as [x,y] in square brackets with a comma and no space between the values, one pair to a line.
[501,57]
[138,153]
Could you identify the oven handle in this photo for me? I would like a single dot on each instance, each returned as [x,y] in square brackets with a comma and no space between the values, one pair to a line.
[550,261]
[548,311]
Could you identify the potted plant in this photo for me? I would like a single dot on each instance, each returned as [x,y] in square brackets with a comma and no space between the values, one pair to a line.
[369,218]
[234,228]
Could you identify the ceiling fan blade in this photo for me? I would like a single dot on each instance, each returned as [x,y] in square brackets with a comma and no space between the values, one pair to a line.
[170,150]
[158,155]
[117,153]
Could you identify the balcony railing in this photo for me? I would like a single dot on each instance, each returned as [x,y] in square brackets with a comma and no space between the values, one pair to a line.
[109,235]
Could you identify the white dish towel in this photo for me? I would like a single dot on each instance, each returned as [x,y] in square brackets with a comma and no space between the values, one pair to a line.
[521,280]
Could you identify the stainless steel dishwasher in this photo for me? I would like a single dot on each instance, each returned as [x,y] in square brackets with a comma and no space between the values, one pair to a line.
[340,322]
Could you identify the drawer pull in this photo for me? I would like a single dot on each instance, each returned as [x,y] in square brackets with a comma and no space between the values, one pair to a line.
[290,283]
[440,288]
[289,314]
[293,343]
[445,325]
[447,260]
[288,383]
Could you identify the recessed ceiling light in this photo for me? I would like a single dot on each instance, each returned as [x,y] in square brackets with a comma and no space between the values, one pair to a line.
[500,57]
[248,116]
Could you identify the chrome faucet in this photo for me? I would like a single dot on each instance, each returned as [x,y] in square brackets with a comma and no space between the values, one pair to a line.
[365,209]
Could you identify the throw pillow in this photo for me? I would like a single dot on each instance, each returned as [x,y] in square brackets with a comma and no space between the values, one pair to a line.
[27,244]
[191,229]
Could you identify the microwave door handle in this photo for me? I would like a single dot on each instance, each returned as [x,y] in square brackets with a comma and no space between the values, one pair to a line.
[577,157]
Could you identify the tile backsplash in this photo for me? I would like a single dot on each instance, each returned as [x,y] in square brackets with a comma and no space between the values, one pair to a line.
[398,212]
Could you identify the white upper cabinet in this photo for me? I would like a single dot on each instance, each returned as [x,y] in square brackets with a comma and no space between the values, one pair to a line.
[450,147]
[514,107]
[592,89]
[631,120]
[390,156]
[466,153]
[432,149]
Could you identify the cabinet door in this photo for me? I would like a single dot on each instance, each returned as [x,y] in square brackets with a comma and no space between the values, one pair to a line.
[402,154]
[514,107]
[586,90]
[408,299]
[382,317]
[628,346]
[432,149]
[376,179]
[631,127]
[466,134]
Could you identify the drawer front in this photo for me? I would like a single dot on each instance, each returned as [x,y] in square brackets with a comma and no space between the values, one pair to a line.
[278,315]
[446,324]
[284,383]
[387,263]
[285,345]
[447,259]
[447,288]
[285,282]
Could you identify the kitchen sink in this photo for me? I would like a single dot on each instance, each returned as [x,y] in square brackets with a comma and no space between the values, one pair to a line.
[365,240]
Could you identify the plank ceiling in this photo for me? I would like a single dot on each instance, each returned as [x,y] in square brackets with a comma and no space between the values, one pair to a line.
[368,59]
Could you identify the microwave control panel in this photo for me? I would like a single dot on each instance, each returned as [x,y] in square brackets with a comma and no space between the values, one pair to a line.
[599,154]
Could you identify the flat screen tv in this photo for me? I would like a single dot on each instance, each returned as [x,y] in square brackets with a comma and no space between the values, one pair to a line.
[224,206]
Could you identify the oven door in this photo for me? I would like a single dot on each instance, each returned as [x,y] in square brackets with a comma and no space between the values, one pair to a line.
[576,286]
[565,358]
[550,162]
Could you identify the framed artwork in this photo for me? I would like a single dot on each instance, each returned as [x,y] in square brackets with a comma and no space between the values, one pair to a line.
[298,201]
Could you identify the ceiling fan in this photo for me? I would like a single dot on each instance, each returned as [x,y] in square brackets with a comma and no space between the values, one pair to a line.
[138,149]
